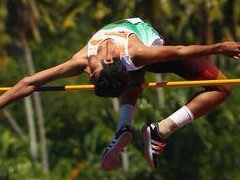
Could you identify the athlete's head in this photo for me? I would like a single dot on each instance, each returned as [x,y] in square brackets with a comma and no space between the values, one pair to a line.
[112,79]
[108,74]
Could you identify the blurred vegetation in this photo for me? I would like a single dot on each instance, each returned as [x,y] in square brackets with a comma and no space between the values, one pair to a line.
[79,125]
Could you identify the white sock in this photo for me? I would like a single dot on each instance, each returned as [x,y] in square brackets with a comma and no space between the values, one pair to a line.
[126,113]
[182,116]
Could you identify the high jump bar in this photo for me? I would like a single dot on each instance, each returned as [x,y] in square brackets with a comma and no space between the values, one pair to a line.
[143,85]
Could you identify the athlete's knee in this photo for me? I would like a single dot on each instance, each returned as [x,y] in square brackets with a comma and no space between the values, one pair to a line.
[222,92]
[226,90]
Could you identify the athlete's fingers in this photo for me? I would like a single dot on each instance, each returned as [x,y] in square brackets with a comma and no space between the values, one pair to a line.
[236,56]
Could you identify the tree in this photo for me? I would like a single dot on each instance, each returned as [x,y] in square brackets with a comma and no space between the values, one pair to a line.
[23,18]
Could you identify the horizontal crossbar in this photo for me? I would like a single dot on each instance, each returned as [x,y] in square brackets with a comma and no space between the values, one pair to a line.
[143,85]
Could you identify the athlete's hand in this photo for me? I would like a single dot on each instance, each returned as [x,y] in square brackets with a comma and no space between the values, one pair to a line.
[231,49]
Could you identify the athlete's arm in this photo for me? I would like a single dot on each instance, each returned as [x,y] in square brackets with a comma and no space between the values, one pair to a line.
[144,55]
[29,84]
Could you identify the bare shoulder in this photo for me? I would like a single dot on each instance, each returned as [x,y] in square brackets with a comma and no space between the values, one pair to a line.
[137,50]
[79,60]
[133,44]
[80,57]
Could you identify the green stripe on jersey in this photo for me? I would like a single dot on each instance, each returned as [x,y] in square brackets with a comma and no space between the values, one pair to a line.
[145,32]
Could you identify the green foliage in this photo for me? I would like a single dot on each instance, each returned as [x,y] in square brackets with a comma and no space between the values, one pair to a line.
[20,168]
[79,125]
[16,165]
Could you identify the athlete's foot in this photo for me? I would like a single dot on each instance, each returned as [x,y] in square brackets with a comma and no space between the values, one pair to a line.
[111,157]
[154,144]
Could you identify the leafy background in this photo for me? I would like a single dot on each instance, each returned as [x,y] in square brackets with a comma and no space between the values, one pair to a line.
[62,135]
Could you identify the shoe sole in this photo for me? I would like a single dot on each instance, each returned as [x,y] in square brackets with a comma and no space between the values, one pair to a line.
[146,135]
[111,160]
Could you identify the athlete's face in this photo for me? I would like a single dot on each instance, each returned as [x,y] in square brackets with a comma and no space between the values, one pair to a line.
[95,67]
[107,54]
[98,66]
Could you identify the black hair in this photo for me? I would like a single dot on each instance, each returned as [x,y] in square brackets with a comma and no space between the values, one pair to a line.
[112,80]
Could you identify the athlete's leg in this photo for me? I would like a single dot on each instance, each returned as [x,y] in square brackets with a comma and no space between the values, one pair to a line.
[201,103]
[123,136]
[202,69]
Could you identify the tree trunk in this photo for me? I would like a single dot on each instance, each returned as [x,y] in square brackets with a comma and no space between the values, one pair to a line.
[13,124]
[39,111]
[160,95]
[42,132]
[115,104]
[31,127]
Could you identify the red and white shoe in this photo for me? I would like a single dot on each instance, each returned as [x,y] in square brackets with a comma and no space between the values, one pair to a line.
[111,157]
[154,144]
